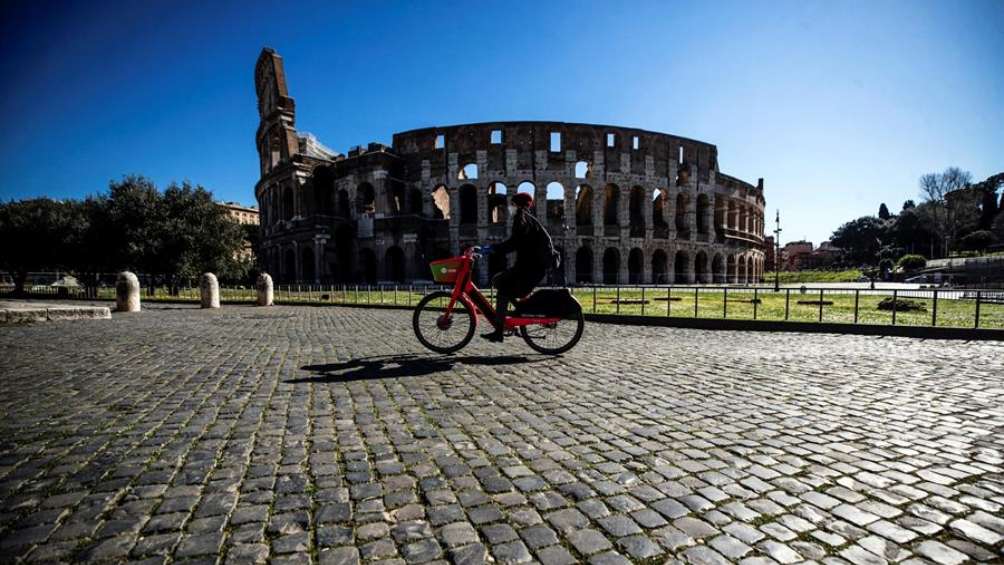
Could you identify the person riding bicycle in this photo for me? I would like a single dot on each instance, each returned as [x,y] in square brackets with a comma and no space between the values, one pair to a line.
[535,254]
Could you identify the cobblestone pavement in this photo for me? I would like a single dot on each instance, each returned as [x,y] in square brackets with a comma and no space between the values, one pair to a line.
[327,435]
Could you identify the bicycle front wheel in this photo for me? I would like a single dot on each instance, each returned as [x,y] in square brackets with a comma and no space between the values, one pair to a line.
[554,339]
[441,333]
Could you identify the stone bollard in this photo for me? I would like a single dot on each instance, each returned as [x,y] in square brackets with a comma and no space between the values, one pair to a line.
[127,292]
[265,292]
[209,289]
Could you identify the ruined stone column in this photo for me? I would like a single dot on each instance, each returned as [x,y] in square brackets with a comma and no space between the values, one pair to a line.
[209,291]
[127,293]
[647,212]
[598,262]
[691,214]
[623,273]
[569,260]
[265,290]
[597,211]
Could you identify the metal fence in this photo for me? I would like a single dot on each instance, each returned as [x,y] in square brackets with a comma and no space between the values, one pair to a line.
[974,308]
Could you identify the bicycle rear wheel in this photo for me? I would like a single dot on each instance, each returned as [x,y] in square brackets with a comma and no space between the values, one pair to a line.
[437,332]
[554,339]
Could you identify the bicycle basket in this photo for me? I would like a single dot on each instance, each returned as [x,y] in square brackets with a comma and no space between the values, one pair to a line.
[446,270]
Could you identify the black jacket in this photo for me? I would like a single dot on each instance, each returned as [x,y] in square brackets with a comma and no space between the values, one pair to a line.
[531,242]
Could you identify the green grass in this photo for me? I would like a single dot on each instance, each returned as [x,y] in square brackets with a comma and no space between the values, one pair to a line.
[810,276]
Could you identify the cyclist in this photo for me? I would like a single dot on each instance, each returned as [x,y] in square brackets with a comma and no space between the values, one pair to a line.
[535,254]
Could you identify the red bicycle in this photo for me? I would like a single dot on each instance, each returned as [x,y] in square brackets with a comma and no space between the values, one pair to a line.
[550,321]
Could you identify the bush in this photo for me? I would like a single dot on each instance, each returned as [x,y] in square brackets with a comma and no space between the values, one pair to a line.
[978,240]
[901,305]
[911,262]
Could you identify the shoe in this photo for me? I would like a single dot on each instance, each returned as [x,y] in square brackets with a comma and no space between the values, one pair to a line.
[494,337]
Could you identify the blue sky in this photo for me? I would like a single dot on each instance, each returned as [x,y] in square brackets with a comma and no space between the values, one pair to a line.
[838,105]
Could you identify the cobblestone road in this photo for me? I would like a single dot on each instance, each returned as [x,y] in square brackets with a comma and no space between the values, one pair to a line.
[327,435]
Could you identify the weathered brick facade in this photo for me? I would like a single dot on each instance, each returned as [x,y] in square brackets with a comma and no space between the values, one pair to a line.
[623,205]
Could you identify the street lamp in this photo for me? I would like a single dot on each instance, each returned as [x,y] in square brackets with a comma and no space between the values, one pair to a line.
[777,252]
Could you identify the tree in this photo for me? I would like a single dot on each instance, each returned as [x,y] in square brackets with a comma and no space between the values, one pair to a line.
[39,234]
[178,233]
[883,212]
[909,204]
[998,227]
[978,240]
[128,223]
[911,262]
[908,230]
[198,236]
[861,239]
[933,188]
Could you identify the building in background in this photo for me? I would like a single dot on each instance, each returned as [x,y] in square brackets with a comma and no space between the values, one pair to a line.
[822,257]
[794,252]
[623,205]
[241,214]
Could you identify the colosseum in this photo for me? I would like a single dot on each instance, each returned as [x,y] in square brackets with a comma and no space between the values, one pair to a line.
[624,205]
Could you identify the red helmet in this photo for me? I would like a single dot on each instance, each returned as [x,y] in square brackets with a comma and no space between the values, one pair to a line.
[522,200]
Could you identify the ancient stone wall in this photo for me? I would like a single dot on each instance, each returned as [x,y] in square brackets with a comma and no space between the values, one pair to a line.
[623,205]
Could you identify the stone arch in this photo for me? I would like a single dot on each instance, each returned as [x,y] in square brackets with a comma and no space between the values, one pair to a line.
[744,219]
[660,264]
[720,214]
[703,207]
[415,202]
[394,264]
[718,269]
[583,205]
[741,270]
[555,202]
[323,183]
[636,211]
[367,265]
[497,202]
[287,203]
[611,205]
[468,195]
[681,267]
[659,201]
[344,241]
[365,198]
[750,272]
[395,196]
[701,273]
[732,215]
[682,225]
[307,263]
[468,172]
[289,265]
[636,266]
[441,202]
[731,276]
[582,170]
[527,187]
[342,206]
[584,265]
[611,265]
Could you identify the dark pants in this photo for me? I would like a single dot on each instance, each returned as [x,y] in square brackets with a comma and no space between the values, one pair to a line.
[510,285]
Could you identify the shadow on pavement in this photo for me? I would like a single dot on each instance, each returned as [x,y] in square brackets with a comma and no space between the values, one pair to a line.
[396,366]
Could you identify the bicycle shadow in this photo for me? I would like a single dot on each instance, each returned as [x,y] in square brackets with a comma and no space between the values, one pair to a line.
[397,366]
